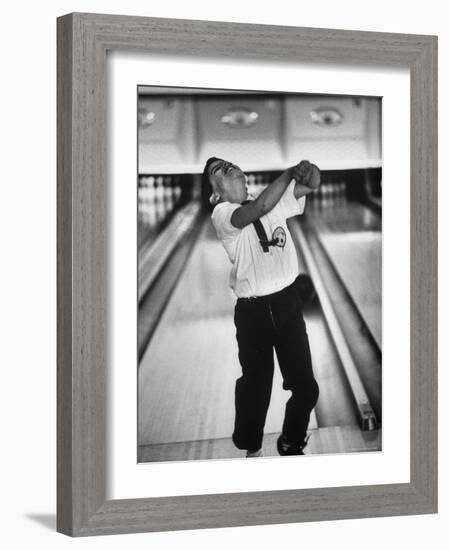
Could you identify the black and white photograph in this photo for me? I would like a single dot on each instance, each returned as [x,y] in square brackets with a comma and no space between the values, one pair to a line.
[259,274]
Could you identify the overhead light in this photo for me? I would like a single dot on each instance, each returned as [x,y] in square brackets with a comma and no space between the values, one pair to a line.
[326,116]
[240,117]
[146,118]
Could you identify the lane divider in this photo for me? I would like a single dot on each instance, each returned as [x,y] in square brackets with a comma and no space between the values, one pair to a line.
[151,263]
[366,415]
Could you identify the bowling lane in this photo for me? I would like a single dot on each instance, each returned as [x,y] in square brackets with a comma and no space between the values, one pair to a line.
[188,371]
[351,235]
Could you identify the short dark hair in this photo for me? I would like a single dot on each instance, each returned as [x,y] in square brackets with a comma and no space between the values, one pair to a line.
[206,186]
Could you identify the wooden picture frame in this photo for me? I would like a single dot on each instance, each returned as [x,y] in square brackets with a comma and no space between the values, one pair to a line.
[82,507]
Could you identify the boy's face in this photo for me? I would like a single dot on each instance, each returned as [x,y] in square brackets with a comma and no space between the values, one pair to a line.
[228,181]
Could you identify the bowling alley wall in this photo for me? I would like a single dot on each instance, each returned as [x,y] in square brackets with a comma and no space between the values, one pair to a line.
[180,128]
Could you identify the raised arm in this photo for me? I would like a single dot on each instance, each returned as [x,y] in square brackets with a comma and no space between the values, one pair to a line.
[268,199]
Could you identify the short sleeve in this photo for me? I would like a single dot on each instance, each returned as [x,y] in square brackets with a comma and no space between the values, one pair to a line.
[289,204]
[221,219]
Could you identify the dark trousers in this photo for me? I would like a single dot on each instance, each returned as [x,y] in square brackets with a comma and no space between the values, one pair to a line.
[263,324]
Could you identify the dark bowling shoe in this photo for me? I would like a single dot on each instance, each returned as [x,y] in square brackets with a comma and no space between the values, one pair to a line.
[287,449]
[254,454]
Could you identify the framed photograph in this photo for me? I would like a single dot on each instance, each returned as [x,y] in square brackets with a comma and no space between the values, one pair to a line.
[247,274]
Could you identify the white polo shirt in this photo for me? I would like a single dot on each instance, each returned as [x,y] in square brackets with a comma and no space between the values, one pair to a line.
[255,272]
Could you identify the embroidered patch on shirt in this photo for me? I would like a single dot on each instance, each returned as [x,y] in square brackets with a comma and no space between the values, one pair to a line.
[279,237]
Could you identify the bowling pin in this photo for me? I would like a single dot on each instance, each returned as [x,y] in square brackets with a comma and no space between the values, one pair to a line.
[169,198]
[160,192]
[149,195]
[159,211]
[150,216]
[324,195]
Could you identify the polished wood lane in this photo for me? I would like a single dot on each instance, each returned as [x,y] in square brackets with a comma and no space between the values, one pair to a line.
[357,258]
[351,235]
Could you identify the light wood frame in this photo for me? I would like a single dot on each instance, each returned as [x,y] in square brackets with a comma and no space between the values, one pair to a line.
[83,40]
